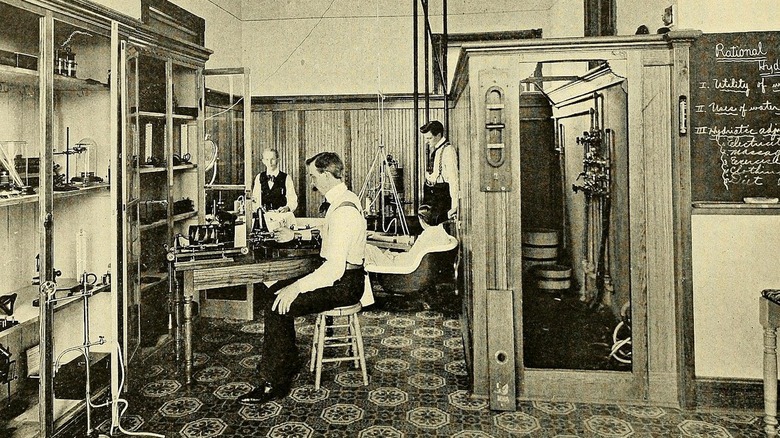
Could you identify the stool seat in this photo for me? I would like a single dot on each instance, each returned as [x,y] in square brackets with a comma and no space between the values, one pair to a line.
[352,340]
[343,311]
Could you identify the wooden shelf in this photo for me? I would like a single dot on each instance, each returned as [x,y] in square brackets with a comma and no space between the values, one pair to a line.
[163,222]
[69,83]
[27,199]
[27,77]
[156,115]
[142,170]
[16,200]
[26,313]
[160,278]
[185,216]
[178,168]
[65,410]
[18,75]
[185,167]
[148,114]
[160,223]
[81,191]
[225,187]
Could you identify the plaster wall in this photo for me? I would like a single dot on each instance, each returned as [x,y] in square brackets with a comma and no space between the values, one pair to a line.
[353,47]
[734,259]
[319,47]
[712,16]
[130,8]
[223,30]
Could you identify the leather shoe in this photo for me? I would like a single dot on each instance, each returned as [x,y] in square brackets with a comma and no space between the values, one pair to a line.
[264,393]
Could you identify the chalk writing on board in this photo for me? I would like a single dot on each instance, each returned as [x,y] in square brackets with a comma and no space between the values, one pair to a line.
[736,113]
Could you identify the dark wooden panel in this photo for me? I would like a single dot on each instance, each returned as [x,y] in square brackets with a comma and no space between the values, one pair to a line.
[735,141]
[730,394]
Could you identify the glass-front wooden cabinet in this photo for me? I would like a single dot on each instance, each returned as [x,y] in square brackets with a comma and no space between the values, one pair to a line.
[230,165]
[100,151]
[162,186]
[57,141]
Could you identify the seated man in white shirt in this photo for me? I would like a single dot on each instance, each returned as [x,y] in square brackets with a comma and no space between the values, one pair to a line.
[338,282]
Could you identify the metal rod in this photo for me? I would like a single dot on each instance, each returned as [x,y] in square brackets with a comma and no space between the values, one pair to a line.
[46,208]
[67,155]
[427,66]
[87,389]
[415,56]
[445,81]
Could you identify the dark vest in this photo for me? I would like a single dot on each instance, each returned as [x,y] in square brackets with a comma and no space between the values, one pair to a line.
[276,196]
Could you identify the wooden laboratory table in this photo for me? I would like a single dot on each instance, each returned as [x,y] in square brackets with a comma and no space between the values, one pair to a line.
[245,270]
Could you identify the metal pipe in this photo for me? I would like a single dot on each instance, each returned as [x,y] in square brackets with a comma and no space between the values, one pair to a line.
[445,81]
[427,67]
[415,56]
[87,390]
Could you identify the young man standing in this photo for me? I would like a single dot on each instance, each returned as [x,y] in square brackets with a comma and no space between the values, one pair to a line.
[440,191]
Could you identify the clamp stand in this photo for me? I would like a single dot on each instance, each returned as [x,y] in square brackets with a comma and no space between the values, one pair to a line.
[86,292]
[380,191]
[66,185]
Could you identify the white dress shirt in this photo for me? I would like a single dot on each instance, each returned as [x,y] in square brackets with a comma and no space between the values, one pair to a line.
[343,240]
[292,197]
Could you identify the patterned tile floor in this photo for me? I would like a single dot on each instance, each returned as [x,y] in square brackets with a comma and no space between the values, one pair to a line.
[417,388]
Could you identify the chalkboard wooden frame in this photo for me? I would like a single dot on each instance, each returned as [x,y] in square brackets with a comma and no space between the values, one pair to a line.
[734,116]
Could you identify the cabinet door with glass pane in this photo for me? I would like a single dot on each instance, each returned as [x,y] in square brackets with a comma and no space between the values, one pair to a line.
[229,164]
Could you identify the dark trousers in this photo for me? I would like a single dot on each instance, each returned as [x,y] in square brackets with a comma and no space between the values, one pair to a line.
[437,197]
[279,356]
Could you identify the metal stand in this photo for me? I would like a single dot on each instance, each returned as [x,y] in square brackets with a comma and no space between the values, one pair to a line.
[85,294]
[66,184]
[380,191]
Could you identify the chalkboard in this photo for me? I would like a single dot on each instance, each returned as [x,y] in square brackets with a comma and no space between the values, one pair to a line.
[735,116]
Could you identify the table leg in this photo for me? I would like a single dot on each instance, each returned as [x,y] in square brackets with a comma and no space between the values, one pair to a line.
[770,381]
[178,306]
[188,338]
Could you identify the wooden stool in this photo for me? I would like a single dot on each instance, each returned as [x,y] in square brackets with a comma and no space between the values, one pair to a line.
[353,340]
[769,309]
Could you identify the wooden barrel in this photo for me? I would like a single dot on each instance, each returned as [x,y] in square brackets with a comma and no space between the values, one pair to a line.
[553,277]
[540,247]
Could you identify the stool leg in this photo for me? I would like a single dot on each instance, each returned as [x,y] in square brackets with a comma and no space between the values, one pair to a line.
[320,349]
[360,351]
[353,339]
[314,343]
[770,381]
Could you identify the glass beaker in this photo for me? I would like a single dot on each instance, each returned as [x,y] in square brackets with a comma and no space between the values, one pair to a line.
[86,163]
[23,163]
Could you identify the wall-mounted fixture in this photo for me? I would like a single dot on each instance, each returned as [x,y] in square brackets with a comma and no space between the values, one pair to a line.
[496,174]
[683,115]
